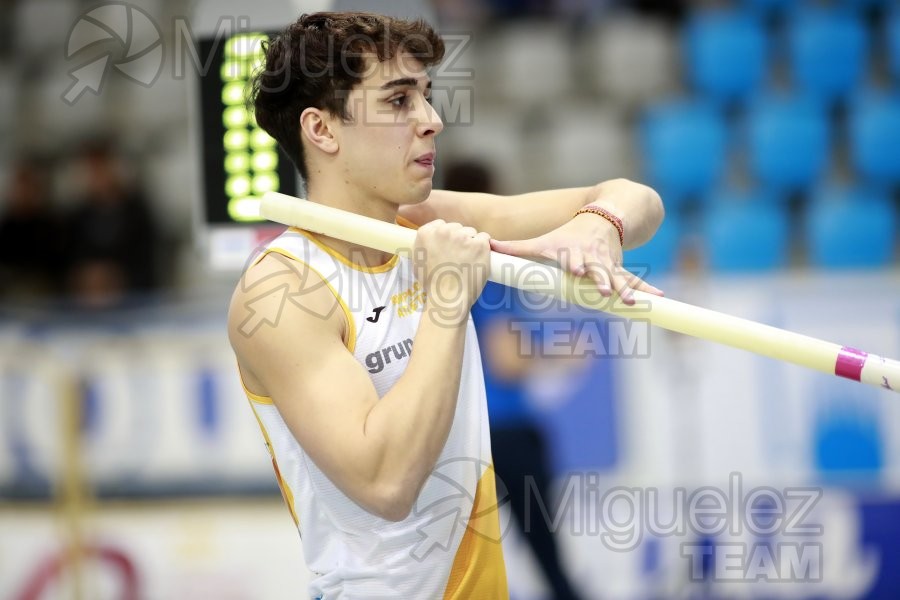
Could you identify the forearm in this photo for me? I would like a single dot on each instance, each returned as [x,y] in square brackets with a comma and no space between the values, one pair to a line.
[638,206]
[410,424]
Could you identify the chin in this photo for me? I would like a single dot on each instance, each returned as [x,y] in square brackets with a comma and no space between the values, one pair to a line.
[418,194]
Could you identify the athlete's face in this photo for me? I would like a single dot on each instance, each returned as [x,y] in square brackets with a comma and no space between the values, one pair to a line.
[387,147]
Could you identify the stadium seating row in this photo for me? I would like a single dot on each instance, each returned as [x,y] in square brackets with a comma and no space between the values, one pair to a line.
[745,231]
[829,52]
[788,143]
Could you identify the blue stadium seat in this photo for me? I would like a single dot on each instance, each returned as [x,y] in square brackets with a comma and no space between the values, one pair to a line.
[828,51]
[865,4]
[683,145]
[850,228]
[746,237]
[770,7]
[755,197]
[892,31]
[725,53]
[660,255]
[788,142]
[874,123]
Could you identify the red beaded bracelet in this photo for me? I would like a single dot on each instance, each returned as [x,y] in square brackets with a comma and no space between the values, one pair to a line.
[596,210]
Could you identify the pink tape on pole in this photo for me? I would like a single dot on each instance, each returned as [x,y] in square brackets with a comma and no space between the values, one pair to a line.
[850,363]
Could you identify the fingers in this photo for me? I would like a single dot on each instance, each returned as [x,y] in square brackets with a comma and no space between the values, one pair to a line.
[620,282]
[469,233]
[429,229]
[433,224]
[595,262]
[599,274]
[639,284]
[454,228]
[609,278]
[575,261]
[451,230]
[453,241]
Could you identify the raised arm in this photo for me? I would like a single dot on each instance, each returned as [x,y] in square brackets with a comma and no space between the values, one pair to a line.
[533,214]
[542,225]
[377,451]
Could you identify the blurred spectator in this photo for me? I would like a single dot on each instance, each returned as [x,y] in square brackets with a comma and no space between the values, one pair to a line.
[29,236]
[509,9]
[474,11]
[517,444]
[112,242]
[672,10]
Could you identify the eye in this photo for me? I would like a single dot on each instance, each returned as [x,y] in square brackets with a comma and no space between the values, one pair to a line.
[399,101]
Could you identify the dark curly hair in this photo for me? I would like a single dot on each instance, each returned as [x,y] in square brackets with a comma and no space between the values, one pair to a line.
[317,60]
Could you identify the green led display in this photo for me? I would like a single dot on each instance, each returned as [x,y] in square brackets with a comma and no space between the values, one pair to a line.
[251,161]
[244,209]
[238,162]
[259,139]
[233,70]
[267,182]
[236,117]
[233,93]
[244,45]
[237,186]
[264,161]
[236,140]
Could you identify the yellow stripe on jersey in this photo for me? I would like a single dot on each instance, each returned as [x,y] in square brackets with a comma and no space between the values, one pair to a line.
[478,569]
[286,492]
[343,259]
[250,395]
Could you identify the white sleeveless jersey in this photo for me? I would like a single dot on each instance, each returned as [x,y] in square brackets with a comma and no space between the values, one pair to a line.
[449,545]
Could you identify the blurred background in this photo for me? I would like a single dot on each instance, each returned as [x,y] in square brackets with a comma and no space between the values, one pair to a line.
[130,464]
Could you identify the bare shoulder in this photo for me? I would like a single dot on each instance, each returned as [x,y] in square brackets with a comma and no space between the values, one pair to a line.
[278,308]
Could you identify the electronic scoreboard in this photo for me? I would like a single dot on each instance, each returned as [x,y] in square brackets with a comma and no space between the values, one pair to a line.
[239,161]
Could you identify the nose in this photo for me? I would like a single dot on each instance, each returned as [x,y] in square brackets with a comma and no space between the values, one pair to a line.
[428,120]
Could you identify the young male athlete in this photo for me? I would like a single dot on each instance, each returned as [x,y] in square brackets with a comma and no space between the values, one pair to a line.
[365,375]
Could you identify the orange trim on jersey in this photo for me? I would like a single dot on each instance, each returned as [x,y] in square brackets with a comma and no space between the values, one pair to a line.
[286,493]
[478,569]
[350,341]
[404,222]
[343,259]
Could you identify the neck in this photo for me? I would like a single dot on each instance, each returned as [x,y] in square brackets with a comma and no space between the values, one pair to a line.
[359,203]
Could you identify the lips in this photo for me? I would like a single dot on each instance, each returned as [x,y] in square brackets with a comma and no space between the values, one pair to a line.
[426,159]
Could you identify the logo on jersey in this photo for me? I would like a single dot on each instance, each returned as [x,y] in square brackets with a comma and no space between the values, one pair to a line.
[410,301]
[376,361]
[377,314]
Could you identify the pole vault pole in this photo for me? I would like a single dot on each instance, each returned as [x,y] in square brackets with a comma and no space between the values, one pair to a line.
[524,274]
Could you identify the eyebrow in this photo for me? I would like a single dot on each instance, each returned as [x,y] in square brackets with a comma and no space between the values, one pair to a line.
[404,82]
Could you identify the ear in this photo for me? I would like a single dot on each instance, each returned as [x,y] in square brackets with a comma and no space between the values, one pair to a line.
[319,128]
